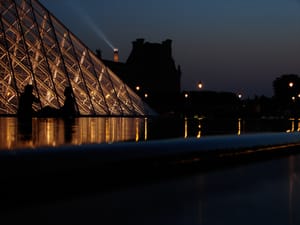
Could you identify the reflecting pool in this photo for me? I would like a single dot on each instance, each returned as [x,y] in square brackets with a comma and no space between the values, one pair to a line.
[54,131]
[17,134]
[260,192]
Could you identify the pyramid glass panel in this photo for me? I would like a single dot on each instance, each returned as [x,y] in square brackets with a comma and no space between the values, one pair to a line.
[37,49]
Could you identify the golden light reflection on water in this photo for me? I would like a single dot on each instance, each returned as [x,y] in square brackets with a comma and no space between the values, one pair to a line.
[295,125]
[54,132]
[185,127]
[239,130]
[197,121]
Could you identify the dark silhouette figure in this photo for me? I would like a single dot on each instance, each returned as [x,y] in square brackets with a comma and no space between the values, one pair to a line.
[69,110]
[26,100]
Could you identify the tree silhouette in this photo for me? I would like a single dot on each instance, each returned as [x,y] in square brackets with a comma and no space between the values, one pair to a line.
[287,90]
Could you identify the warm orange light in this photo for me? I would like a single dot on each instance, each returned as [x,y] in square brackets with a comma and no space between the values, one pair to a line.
[200,85]
[291,84]
[137,88]
[116,55]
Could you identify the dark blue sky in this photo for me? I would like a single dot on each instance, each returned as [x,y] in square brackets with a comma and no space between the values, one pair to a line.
[230,45]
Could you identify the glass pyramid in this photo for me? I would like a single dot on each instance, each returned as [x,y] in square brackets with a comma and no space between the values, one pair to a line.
[36,48]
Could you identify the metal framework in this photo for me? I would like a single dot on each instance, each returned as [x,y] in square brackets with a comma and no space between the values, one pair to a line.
[36,48]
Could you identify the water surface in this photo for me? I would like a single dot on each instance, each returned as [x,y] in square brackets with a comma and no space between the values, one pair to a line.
[258,193]
[54,132]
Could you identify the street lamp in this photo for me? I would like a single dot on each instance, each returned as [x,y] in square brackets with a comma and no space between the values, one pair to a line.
[200,85]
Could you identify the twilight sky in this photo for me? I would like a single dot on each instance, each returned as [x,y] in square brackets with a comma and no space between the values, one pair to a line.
[230,45]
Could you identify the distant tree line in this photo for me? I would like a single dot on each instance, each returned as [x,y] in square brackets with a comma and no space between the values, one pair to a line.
[284,103]
[287,94]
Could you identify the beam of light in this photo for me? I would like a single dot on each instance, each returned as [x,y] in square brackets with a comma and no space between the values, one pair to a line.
[97,30]
[88,20]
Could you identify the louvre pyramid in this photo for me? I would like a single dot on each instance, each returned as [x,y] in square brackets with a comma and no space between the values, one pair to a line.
[36,48]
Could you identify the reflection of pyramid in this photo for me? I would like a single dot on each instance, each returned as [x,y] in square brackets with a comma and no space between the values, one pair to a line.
[37,49]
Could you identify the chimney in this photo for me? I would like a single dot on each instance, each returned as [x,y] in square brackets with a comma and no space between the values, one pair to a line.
[116,55]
